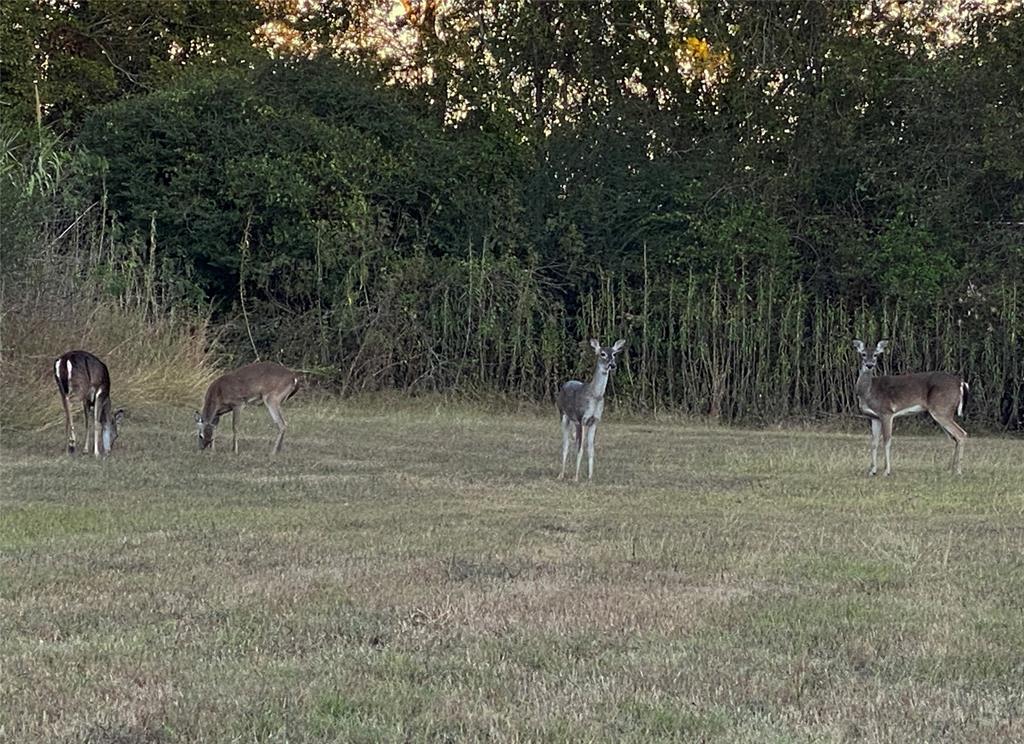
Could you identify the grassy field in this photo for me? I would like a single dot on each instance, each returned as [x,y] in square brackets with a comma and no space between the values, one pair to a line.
[417,573]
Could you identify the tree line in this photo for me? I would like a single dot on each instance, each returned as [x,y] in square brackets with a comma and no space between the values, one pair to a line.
[454,197]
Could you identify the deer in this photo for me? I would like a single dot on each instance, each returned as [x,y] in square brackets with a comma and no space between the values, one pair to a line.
[269,383]
[581,405]
[887,397]
[82,378]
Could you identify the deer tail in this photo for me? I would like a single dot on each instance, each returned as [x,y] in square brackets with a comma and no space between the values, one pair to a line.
[964,388]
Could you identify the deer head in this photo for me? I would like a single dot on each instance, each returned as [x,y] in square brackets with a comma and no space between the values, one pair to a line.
[205,429]
[109,433]
[869,361]
[606,354]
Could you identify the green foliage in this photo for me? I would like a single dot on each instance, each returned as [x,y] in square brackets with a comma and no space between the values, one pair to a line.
[77,55]
[744,241]
[283,149]
[909,264]
[454,200]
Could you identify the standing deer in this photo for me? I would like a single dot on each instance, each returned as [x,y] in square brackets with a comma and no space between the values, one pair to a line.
[262,382]
[581,405]
[884,398]
[82,378]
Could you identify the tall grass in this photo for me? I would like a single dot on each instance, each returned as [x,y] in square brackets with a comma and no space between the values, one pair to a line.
[72,280]
[739,348]
[763,351]
[151,359]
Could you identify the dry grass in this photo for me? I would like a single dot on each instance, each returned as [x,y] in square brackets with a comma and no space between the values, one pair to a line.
[151,360]
[417,573]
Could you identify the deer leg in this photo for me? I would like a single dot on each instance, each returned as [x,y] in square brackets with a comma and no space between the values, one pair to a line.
[566,436]
[96,408]
[591,433]
[234,429]
[958,451]
[957,434]
[69,425]
[579,452]
[876,435]
[887,439]
[85,412]
[273,408]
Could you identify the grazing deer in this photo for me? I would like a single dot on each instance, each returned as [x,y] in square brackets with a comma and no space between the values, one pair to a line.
[581,405]
[262,382]
[82,378]
[884,398]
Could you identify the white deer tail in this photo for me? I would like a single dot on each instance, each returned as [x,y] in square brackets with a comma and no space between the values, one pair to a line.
[964,387]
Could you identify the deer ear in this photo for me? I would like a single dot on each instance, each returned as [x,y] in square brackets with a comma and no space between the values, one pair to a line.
[858,345]
[617,346]
[119,415]
[199,419]
[596,345]
[881,346]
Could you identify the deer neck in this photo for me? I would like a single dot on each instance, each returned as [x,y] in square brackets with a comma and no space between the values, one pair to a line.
[597,385]
[863,386]
[212,404]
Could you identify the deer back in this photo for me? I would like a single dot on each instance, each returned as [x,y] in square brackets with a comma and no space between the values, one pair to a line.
[929,390]
[245,384]
[80,375]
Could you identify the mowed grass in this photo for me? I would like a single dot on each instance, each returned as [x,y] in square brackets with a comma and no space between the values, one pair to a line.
[417,573]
